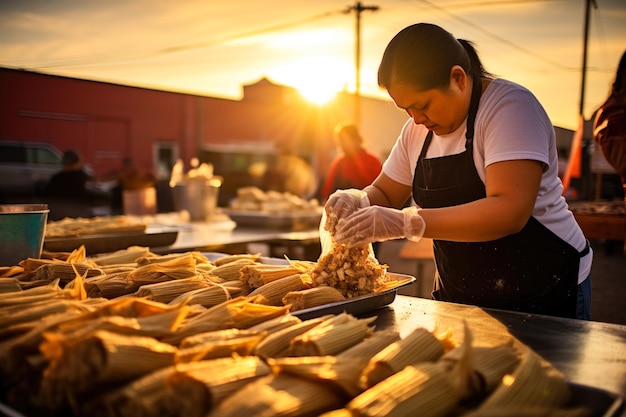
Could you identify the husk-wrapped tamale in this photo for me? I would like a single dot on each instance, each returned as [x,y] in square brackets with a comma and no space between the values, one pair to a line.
[279,396]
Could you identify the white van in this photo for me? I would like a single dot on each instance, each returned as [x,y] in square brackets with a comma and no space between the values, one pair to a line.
[25,167]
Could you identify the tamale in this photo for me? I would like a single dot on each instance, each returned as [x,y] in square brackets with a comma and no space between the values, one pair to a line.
[331,336]
[256,275]
[418,346]
[231,271]
[534,382]
[166,291]
[176,268]
[219,335]
[123,256]
[80,365]
[273,292]
[277,344]
[342,370]
[195,389]
[110,285]
[424,389]
[240,312]
[490,364]
[279,396]
[197,257]
[230,258]
[143,397]
[65,272]
[208,296]
[242,345]
[276,324]
[8,285]
[312,297]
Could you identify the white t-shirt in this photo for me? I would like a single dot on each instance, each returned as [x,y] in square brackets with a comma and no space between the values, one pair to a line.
[510,124]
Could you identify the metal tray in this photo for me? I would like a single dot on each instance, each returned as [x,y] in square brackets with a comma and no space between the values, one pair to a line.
[287,221]
[601,402]
[110,242]
[358,305]
[355,306]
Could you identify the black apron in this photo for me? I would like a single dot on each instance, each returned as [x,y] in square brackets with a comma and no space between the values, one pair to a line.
[533,271]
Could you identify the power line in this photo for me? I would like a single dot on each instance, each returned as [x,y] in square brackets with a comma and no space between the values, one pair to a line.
[500,39]
[189,46]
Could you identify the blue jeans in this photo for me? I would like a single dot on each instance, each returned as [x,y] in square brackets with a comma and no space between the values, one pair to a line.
[583,304]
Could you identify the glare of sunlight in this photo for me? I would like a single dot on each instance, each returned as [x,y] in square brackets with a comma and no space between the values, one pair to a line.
[317,78]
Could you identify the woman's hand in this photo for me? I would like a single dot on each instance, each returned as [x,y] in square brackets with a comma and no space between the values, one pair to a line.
[377,224]
[343,203]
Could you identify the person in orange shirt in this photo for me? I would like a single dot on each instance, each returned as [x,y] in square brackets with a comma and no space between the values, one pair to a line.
[354,167]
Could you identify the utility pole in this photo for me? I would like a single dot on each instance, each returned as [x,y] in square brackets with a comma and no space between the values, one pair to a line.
[358,8]
[585,42]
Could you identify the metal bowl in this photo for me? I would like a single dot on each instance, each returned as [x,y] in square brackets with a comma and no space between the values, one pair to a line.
[22,232]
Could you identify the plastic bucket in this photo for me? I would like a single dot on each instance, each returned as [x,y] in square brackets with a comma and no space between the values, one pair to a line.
[198,197]
[22,232]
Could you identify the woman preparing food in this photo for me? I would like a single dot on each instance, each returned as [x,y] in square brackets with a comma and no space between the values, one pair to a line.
[479,158]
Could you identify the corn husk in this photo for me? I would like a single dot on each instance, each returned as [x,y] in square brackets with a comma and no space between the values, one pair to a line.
[231,271]
[256,275]
[277,344]
[276,324]
[418,346]
[222,260]
[80,365]
[197,257]
[165,292]
[490,364]
[240,313]
[241,345]
[176,268]
[9,285]
[312,297]
[193,391]
[33,295]
[343,370]
[143,397]
[65,272]
[110,285]
[331,336]
[123,256]
[533,383]
[279,396]
[209,296]
[425,390]
[273,292]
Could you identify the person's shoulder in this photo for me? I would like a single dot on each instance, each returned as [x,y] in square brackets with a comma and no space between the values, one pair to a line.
[503,87]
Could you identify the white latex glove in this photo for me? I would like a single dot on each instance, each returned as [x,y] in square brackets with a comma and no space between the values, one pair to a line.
[377,224]
[343,203]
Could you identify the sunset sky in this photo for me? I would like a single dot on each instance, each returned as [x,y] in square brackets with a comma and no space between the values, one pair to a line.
[215,47]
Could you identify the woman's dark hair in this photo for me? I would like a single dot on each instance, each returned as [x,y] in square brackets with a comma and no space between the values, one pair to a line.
[421,55]
[619,83]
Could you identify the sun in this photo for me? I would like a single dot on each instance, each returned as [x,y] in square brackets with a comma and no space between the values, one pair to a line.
[317,78]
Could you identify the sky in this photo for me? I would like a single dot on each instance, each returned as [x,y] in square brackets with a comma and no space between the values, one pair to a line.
[214,48]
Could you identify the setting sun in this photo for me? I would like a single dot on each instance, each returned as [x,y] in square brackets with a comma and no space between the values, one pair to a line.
[317,78]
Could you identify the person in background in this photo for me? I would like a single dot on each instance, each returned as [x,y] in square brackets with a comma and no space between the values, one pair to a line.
[290,173]
[68,192]
[354,166]
[609,127]
[478,155]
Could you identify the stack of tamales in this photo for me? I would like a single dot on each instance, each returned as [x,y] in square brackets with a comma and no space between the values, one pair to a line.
[179,335]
